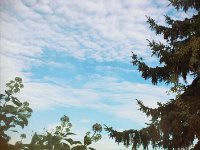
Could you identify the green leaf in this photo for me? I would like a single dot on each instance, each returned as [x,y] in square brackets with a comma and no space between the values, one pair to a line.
[21,123]
[70,141]
[66,146]
[14,131]
[29,109]
[24,119]
[16,102]
[23,136]
[79,147]
[18,79]
[9,109]
[97,127]
[87,140]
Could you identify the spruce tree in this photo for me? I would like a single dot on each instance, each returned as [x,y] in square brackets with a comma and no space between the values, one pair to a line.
[175,124]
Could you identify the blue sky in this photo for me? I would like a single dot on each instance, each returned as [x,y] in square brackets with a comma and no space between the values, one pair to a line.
[74,58]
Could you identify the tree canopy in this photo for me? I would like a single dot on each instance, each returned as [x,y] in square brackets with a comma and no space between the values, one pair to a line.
[60,138]
[13,112]
[175,124]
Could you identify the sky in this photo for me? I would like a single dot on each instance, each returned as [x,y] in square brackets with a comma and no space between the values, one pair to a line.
[75,59]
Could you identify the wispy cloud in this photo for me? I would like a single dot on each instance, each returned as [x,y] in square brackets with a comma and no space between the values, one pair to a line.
[101,30]
[98,30]
[110,95]
[114,69]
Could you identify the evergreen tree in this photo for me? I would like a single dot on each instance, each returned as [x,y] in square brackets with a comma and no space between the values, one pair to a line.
[176,124]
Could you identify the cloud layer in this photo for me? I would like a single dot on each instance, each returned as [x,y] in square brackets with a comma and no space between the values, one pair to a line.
[110,95]
[99,30]
[103,31]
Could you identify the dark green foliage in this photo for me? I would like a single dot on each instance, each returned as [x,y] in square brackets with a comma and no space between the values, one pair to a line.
[176,124]
[186,4]
[97,128]
[180,56]
[56,139]
[13,112]
[60,138]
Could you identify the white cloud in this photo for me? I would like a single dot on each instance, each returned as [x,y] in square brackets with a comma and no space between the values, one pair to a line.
[102,30]
[114,69]
[85,120]
[108,144]
[99,30]
[47,96]
[110,95]
[10,68]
